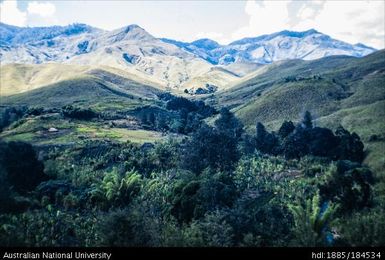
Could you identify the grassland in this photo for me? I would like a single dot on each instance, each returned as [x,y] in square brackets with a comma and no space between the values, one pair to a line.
[337,90]
[92,88]
[36,130]
[20,78]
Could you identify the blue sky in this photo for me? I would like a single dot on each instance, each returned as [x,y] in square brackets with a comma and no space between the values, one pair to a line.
[224,21]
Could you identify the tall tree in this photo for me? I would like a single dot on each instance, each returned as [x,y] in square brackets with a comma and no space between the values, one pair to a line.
[24,172]
[211,147]
[286,128]
[350,146]
[228,124]
[265,142]
[307,121]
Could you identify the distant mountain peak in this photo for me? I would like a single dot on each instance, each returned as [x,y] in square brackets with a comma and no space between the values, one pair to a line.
[283,45]
[206,43]
[298,34]
[360,45]
[14,35]
[69,43]
[130,32]
[286,33]
[130,27]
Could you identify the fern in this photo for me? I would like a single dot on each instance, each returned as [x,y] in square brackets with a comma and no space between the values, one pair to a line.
[311,222]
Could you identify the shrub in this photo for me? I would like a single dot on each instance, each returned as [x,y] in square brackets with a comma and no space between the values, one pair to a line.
[78,113]
[349,185]
[19,161]
[366,228]
[8,115]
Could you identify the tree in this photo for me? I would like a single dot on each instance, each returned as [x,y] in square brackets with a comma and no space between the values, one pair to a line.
[228,124]
[286,128]
[307,121]
[123,228]
[8,115]
[78,113]
[116,189]
[176,126]
[186,202]
[261,132]
[350,185]
[193,122]
[23,170]
[162,123]
[217,147]
[322,142]
[151,118]
[350,146]
[266,142]
[212,148]
[217,190]
[5,191]
[211,231]
[295,145]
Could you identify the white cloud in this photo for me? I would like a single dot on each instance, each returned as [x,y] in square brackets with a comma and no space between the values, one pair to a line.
[354,21]
[306,12]
[264,17]
[351,21]
[41,8]
[36,11]
[10,14]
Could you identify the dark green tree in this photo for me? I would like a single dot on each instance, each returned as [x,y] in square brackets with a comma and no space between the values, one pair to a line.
[307,121]
[209,147]
[228,124]
[296,145]
[261,132]
[266,142]
[151,118]
[350,146]
[322,142]
[23,170]
[286,128]
[349,185]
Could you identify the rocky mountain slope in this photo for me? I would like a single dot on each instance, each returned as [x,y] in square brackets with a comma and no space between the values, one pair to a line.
[284,45]
[169,63]
[130,48]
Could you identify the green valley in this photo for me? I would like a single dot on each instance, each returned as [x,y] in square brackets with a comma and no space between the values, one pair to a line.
[117,138]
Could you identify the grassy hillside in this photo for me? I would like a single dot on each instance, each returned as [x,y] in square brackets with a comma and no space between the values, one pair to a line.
[98,89]
[35,129]
[88,86]
[20,78]
[219,77]
[337,90]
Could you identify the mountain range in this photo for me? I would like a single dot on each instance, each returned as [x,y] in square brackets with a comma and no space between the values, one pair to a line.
[202,64]
[119,73]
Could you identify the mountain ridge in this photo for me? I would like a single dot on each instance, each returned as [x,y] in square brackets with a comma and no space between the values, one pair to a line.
[173,64]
